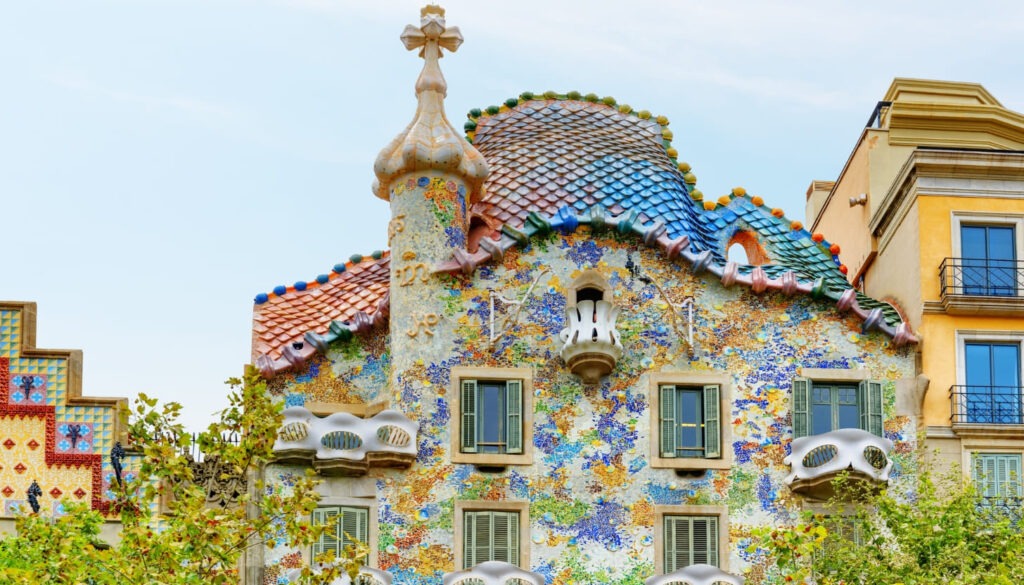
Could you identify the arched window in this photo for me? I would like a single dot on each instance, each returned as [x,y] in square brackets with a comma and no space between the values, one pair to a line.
[744,248]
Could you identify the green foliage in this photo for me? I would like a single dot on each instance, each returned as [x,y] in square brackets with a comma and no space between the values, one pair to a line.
[190,543]
[941,533]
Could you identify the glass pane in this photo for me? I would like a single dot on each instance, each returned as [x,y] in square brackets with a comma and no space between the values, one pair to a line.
[689,423]
[821,418]
[972,241]
[491,418]
[1000,243]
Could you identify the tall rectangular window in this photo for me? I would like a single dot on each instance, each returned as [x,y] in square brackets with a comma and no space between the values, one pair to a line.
[992,376]
[690,540]
[353,524]
[490,535]
[690,421]
[998,476]
[989,260]
[822,407]
[492,416]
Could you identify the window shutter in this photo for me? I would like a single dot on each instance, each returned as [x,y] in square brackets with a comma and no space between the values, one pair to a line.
[468,407]
[712,541]
[801,399]
[678,542]
[328,541]
[712,422]
[869,398]
[469,540]
[668,421]
[1013,469]
[670,545]
[514,416]
[505,535]
[354,526]
[985,474]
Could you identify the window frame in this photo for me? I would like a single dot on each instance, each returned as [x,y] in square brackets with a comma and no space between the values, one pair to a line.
[963,337]
[976,454]
[725,392]
[522,508]
[980,218]
[372,528]
[661,512]
[525,377]
[839,377]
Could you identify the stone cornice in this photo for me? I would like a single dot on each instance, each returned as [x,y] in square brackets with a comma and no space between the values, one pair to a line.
[944,163]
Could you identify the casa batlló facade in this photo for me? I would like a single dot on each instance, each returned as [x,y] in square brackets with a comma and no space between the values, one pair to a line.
[557,367]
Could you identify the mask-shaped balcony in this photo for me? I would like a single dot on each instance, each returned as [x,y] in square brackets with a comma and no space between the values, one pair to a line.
[817,460]
[591,344]
[344,444]
[367,576]
[696,575]
[493,573]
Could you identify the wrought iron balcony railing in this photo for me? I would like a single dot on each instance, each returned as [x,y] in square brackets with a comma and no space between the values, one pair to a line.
[990,405]
[980,277]
[1002,507]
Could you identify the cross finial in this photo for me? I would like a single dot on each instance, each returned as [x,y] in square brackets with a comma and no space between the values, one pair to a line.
[431,36]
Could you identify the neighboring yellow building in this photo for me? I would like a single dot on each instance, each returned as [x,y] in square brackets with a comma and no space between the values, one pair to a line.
[929,212]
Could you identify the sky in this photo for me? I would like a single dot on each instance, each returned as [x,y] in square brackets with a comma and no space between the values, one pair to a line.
[163,161]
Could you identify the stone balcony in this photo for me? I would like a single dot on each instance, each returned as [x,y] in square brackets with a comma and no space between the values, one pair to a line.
[817,460]
[344,444]
[591,346]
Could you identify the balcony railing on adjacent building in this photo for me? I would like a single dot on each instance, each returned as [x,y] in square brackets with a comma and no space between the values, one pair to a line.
[975,285]
[818,459]
[987,405]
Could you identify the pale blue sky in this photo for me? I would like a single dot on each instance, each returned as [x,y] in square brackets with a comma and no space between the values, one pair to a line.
[164,161]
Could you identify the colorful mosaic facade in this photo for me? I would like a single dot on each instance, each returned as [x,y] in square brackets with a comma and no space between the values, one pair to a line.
[49,433]
[572,190]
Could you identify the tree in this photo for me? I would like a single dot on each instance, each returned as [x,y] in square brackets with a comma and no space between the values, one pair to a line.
[191,543]
[941,532]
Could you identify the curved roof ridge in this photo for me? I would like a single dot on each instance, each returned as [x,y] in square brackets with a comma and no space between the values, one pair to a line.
[336,271]
[291,324]
[875,314]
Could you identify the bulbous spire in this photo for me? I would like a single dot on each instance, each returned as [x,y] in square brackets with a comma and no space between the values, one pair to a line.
[430,142]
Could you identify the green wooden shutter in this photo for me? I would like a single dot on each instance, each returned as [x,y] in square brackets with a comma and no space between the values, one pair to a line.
[468,407]
[668,421]
[869,401]
[690,540]
[328,541]
[712,422]
[505,537]
[354,526]
[469,540]
[801,400]
[711,524]
[671,544]
[514,416]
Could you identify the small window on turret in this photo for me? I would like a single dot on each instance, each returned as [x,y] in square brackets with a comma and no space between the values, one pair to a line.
[589,294]
[590,286]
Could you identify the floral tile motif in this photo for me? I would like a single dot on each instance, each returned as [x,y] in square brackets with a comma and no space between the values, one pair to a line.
[28,389]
